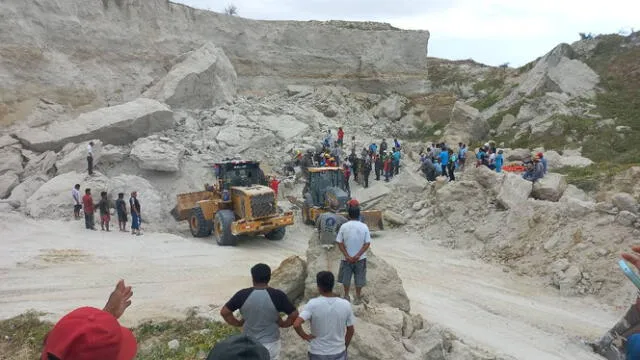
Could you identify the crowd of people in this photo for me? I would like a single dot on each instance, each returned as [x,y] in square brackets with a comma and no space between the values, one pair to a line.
[92,333]
[103,207]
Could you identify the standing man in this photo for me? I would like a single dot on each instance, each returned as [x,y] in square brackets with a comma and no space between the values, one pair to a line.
[103,206]
[353,159]
[377,166]
[135,213]
[366,162]
[77,205]
[121,209]
[87,204]
[383,146]
[462,155]
[90,157]
[260,307]
[331,320]
[452,165]
[353,240]
[396,160]
[444,160]
[340,137]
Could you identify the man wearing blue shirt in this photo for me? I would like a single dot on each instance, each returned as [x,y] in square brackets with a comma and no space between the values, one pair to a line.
[444,161]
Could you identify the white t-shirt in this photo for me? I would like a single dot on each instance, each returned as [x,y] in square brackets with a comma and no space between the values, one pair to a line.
[89,150]
[354,234]
[329,318]
[76,196]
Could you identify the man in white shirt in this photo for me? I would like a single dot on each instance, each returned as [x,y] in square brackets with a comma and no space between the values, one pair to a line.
[353,240]
[331,320]
[90,157]
[77,205]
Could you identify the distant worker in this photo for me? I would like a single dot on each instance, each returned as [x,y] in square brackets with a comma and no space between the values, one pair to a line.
[340,137]
[396,155]
[274,184]
[103,206]
[373,148]
[353,240]
[451,166]
[396,144]
[136,218]
[77,205]
[331,320]
[121,210]
[387,167]
[499,161]
[462,156]
[543,160]
[90,157]
[536,172]
[444,160]
[383,146]
[88,206]
[377,164]
[260,307]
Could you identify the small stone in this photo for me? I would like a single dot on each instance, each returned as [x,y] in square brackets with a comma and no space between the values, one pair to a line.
[602,252]
[205,331]
[626,218]
[173,344]
[437,133]
[418,206]
[550,244]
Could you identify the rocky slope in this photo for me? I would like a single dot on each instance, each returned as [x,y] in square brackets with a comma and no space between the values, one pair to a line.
[89,53]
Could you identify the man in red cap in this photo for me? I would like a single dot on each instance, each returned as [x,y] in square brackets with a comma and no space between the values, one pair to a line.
[543,160]
[90,333]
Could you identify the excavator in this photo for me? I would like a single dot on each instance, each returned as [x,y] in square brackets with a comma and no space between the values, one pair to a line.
[325,186]
[239,203]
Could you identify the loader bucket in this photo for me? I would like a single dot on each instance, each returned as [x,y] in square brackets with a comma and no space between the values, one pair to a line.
[373,219]
[187,201]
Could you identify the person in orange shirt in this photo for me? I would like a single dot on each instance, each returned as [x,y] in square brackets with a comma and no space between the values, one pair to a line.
[274,184]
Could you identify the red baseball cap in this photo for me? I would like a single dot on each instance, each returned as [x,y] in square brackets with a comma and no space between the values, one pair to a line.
[90,333]
[353,203]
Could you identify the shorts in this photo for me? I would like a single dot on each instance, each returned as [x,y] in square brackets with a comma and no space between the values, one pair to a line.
[122,217]
[341,356]
[135,221]
[76,208]
[461,160]
[357,270]
[105,218]
[274,349]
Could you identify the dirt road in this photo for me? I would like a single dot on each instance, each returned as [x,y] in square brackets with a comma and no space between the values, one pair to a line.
[55,266]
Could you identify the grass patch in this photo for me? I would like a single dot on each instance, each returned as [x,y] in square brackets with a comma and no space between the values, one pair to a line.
[425,132]
[22,337]
[442,75]
[494,80]
[487,102]
[590,178]
[496,119]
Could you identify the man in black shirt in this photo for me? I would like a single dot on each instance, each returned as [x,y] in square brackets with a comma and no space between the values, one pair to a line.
[260,307]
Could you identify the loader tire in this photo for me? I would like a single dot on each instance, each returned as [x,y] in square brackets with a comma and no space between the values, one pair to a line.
[222,228]
[277,234]
[199,226]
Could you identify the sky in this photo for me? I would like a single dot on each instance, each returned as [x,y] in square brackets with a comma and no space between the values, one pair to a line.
[493,32]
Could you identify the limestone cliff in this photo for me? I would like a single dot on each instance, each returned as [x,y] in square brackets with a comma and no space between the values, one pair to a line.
[92,53]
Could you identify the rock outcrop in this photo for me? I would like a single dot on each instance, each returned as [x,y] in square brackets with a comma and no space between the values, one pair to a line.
[203,79]
[8,181]
[550,187]
[290,277]
[73,157]
[157,153]
[514,191]
[625,202]
[116,125]
[11,161]
[27,187]
[465,125]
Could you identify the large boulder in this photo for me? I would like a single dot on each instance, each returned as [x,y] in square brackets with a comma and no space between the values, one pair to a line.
[488,178]
[205,78]
[157,153]
[384,285]
[112,154]
[6,140]
[11,161]
[26,188]
[517,154]
[391,108]
[290,277]
[550,187]
[514,191]
[53,199]
[556,161]
[42,164]
[8,181]
[73,157]
[285,127]
[117,125]
[625,202]
[465,125]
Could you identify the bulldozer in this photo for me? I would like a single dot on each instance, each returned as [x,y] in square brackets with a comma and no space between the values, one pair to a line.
[239,203]
[325,186]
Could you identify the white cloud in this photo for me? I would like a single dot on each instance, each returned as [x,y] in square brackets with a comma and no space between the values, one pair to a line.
[490,31]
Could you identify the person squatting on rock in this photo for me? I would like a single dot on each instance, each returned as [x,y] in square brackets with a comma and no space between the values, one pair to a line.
[90,333]
[88,206]
[353,240]
[121,210]
[90,157]
[103,206]
[622,341]
[77,205]
[260,307]
[332,322]
[134,204]
[534,171]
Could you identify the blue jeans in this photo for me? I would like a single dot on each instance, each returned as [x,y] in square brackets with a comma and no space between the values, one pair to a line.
[135,221]
[633,347]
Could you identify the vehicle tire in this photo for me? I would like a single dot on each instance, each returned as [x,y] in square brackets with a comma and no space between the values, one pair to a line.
[199,226]
[222,228]
[277,234]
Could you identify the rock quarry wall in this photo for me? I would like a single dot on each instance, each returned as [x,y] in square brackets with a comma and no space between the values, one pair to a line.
[91,53]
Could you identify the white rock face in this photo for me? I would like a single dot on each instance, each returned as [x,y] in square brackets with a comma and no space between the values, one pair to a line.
[285,127]
[111,154]
[550,187]
[157,153]
[117,125]
[290,277]
[465,125]
[6,140]
[26,188]
[43,164]
[204,79]
[507,122]
[8,181]
[391,108]
[556,161]
[625,202]
[11,161]
[75,157]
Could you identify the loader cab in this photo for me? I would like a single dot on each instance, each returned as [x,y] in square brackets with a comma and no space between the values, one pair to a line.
[326,184]
[240,173]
